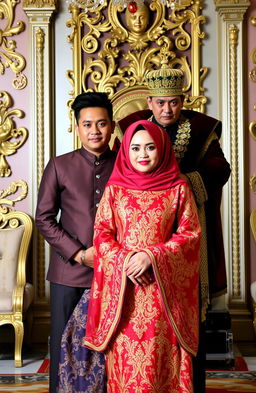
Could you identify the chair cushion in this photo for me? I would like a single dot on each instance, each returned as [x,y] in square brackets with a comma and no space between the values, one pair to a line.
[10,240]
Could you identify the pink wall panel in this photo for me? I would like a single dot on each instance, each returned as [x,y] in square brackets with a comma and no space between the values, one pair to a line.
[19,162]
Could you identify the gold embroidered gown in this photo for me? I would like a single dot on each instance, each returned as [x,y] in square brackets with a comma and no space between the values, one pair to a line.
[149,333]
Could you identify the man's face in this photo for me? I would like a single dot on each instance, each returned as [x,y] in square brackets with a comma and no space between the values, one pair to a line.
[166,110]
[94,129]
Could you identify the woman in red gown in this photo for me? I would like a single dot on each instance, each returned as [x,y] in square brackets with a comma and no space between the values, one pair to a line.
[143,310]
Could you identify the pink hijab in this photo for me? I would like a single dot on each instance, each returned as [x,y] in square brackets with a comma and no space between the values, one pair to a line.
[164,176]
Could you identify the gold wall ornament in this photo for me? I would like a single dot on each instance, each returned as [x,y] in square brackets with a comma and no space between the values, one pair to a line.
[39,3]
[12,189]
[253,20]
[8,132]
[252,127]
[233,39]
[9,58]
[252,76]
[111,55]
[253,183]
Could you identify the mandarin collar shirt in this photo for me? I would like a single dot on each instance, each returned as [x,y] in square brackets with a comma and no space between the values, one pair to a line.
[71,188]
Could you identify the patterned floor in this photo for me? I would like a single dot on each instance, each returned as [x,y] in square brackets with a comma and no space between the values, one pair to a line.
[217,381]
[28,380]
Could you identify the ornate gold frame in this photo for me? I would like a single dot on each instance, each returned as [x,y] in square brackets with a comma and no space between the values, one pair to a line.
[109,58]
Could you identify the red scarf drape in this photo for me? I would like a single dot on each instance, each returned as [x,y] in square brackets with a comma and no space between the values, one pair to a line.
[167,173]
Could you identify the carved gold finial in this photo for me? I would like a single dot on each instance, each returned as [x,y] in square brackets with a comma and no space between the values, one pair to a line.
[8,133]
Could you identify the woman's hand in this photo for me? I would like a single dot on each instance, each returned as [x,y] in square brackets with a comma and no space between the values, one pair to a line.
[137,269]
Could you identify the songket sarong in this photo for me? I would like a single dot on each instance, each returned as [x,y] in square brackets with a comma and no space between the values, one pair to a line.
[81,370]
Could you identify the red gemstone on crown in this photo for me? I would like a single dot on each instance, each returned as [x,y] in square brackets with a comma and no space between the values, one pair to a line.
[132,7]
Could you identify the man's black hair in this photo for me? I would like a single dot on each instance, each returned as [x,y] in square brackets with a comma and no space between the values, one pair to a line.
[92,100]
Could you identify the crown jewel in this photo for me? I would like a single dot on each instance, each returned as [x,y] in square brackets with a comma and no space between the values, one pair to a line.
[165,82]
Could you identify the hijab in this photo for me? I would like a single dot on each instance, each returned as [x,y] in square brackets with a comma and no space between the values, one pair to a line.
[165,175]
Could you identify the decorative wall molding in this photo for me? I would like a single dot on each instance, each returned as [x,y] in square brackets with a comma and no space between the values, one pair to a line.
[39,3]
[231,106]
[40,15]
[11,138]
[235,214]
[252,76]
[9,57]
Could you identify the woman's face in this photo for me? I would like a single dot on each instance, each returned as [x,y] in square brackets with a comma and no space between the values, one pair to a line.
[143,153]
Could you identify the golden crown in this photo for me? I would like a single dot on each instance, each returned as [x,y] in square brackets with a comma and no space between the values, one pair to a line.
[165,82]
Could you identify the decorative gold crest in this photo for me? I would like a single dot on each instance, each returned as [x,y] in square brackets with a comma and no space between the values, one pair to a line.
[12,189]
[11,138]
[8,55]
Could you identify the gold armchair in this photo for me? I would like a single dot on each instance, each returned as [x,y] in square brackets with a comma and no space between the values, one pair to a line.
[15,294]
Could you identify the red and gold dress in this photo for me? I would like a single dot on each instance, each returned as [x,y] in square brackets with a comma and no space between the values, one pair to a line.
[149,334]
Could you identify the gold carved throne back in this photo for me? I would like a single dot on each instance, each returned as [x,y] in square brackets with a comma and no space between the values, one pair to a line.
[112,54]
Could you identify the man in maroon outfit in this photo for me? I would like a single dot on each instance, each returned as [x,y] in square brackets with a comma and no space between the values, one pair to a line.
[195,139]
[72,185]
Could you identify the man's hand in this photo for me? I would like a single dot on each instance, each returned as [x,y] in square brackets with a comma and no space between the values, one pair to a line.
[85,257]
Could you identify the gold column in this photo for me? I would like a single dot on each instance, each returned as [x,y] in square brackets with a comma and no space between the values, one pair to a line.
[231,106]
[40,13]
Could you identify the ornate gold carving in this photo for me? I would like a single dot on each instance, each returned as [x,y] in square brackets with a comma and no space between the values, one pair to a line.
[121,61]
[40,42]
[252,128]
[253,229]
[39,3]
[252,76]
[253,183]
[8,55]
[232,9]
[229,3]
[12,189]
[253,20]
[233,39]
[8,133]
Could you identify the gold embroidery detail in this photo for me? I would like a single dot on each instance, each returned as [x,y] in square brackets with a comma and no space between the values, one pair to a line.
[180,145]
[145,310]
[182,138]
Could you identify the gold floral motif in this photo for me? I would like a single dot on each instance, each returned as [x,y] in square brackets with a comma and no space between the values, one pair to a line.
[253,183]
[252,76]
[12,189]
[8,55]
[8,133]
